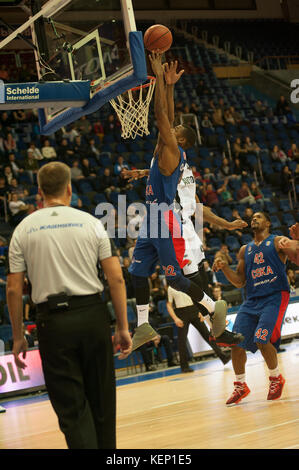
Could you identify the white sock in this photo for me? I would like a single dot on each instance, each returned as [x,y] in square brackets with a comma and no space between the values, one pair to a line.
[274,372]
[142,314]
[240,378]
[207,302]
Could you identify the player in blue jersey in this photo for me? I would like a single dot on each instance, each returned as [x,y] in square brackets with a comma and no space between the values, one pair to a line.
[261,268]
[160,238]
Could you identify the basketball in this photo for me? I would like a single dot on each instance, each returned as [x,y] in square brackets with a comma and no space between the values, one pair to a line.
[159,37]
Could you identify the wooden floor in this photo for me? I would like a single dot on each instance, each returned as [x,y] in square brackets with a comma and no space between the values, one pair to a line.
[183,411]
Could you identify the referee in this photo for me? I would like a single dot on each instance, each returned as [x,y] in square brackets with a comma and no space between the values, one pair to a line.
[59,248]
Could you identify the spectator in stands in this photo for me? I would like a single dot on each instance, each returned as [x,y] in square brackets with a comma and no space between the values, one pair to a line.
[48,151]
[35,151]
[278,154]
[79,147]
[236,115]
[209,195]
[99,129]
[31,166]
[159,342]
[76,172]
[260,108]
[70,133]
[282,107]
[251,147]
[18,209]
[87,170]
[229,118]
[10,143]
[225,194]
[238,149]
[64,150]
[4,73]
[196,174]
[92,150]
[217,293]
[15,187]
[19,115]
[194,109]
[208,176]
[291,275]
[224,254]
[218,117]
[14,166]
[248,213]
[244,195]
[120,165]
[293,152]
[257,193]
[111,126]
[8,174]
[206,122]
[6,121]
[239,169]
[84,126]
[201,88]
[211,106]
[107,182]
[285,179]
[3,187]
[296,174]
[225,171]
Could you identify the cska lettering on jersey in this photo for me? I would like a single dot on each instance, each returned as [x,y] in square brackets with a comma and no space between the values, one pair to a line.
[261,271]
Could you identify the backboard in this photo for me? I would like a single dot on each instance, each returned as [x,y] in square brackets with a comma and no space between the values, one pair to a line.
[79,40]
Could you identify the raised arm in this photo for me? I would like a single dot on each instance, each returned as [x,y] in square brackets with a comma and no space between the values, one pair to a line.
[211,218]
[236,278]
[169,154]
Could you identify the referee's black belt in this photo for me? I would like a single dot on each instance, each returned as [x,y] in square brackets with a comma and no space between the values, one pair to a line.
[69,303]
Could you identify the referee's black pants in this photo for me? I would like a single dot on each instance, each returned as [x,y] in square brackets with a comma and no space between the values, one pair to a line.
[78,366]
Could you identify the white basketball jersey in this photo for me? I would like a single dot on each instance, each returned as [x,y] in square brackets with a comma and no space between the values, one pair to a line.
[186,192]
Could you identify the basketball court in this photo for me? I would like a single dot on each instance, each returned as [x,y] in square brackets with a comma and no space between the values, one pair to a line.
[170,410]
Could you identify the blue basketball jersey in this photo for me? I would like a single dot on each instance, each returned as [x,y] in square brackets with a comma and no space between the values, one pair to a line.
[160,188]
[265,272]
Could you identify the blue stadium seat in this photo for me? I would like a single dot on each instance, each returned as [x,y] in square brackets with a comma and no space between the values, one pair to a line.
[214,243]
[288,219]
[162,309]
[284,205]
[275,222]
[232,243]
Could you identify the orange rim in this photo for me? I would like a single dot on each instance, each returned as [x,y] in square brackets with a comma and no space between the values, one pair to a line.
[145,85]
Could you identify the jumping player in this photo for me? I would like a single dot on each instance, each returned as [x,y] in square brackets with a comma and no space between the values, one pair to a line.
[167,244]
[261,268]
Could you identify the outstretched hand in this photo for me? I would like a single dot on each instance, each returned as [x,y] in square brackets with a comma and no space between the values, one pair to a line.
[156,62]
[218,264]
[170,72]
[237,224]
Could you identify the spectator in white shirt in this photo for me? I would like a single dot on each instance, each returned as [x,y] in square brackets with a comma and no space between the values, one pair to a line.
[34,151]
[48,151]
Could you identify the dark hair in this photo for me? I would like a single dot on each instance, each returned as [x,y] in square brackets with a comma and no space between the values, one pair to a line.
[265,214]
[189,135]
[53,178]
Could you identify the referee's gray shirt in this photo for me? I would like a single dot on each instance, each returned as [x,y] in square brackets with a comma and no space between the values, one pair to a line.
[59,247]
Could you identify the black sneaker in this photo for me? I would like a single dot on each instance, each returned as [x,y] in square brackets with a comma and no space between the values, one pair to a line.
[150,368]
[172,364]
[228,339]
[186,370]
[225,357]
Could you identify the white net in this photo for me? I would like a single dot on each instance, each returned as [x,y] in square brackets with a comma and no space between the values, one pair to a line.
[132,109]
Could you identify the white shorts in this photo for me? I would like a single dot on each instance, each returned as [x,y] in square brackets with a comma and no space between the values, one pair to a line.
[193,248]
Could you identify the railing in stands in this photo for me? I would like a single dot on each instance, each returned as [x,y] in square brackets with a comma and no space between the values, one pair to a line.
[288,60]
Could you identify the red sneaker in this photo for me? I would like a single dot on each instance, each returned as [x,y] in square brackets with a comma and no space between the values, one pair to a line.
[241,391]
[275,388]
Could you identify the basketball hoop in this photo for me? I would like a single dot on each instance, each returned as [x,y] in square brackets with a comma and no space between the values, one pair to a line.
[132,109]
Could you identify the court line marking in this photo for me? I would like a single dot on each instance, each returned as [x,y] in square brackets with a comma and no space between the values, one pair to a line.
[292,447]
[263,429]
[168,404]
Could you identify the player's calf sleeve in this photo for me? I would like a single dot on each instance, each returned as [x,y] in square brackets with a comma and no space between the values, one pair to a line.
[142,290]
